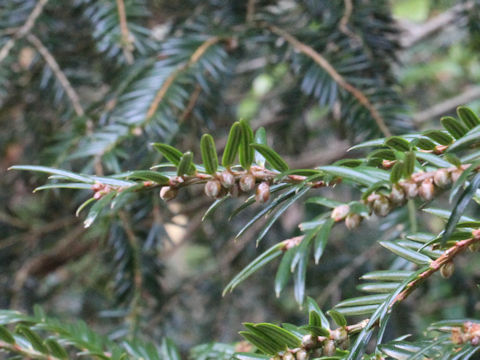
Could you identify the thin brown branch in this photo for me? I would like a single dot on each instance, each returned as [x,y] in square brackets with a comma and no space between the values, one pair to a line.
[52,63]
[448,105]
[169,81]
[324,64]
[191,103]
[445,258]
[343,25]
[127,44]
[24,30]
[415,34]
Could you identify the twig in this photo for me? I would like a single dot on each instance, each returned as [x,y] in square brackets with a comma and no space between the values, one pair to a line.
[343,25]
[127,44]
[414,34]
[169,81]
[320,60]
[24,30]
[472,93]
[52,63]
[446,257]
[191,103]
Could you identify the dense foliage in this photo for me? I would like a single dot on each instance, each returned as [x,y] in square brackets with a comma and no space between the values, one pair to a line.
[130,107]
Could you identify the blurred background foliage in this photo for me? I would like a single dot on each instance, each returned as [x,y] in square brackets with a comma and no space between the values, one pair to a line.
[87,85]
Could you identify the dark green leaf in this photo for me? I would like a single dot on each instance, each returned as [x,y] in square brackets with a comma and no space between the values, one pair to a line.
[63,173]
[397,143]
[409,163]
[424,144]
[171,154]
[462,179]
[185,166]
[149,176]
[256,264]
[406,253]
[246,152]
[468,117]
[6,336]
[282,335]
[453,126]
[322,238]
[337,317]
[271,156]
[231,147]
[97,208]
[313,306]
[260,138]
[397,172]
[33,338]
[460,208]
[283,271]
[56,349]
[472,138]
[439,136]
[209,154]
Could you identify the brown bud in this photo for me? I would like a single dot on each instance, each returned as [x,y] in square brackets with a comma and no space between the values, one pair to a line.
[447,270]
[345,344]
[381,206]
[97,186]
[339,334]
[212,188]
[426,190]
[442,178]
[456,174]
[227,179]
[397,196]
[410,188]
[263,192]
[340,212]
[168,193]
[309,341]
[352,221]
[301,355]
[247,183]
[329,348]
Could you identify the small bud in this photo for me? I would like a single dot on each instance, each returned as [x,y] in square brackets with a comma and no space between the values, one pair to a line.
[426,190]
[263,192]
[410,188]
[339,334]
[340,212]
[212,188]
[456,174]
[447,270]
[301,355]
[345,344]
[329,348]
[288,356]
[397,196]
[168,193]
[98,195]
[475,341]
[227,179]
[97,186]
[352,221]
[309,341]
[381,206]
[442,178]
[247,183]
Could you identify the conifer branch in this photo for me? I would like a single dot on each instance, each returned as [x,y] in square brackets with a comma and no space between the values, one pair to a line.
[127,44]
[24,30]
[324,64]
[169,81]
[60,75]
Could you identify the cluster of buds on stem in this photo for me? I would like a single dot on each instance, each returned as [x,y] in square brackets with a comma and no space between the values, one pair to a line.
[318,346]
[100,190]
[223,183]
[342,212]
[469,332]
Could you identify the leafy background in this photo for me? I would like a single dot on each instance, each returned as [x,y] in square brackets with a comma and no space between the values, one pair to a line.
[152,269]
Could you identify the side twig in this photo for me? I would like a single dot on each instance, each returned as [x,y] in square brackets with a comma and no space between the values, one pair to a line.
[320,60]
[24,30]
[127,44]
[52,63]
